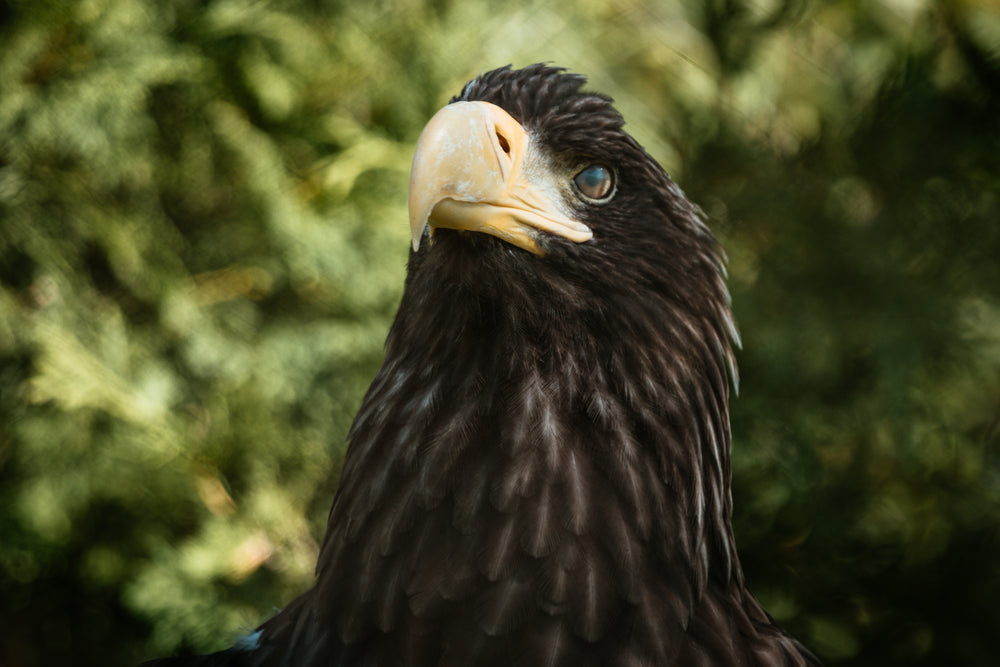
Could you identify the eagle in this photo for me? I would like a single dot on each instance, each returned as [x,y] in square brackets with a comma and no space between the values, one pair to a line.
[539,474]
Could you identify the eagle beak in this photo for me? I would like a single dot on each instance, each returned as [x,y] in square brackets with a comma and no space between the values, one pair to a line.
[475,169]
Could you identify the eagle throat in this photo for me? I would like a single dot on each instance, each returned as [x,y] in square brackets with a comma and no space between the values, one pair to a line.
[519,432]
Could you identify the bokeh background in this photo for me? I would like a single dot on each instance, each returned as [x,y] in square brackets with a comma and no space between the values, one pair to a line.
[203,237]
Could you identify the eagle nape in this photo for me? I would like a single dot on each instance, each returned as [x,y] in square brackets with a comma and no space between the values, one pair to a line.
[539,473]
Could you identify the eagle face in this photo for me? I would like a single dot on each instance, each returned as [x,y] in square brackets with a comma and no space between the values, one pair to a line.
[526,188]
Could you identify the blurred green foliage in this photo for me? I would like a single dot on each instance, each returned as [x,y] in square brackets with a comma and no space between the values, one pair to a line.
[203,237]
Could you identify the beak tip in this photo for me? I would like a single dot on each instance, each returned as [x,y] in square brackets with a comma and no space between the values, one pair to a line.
[417,232]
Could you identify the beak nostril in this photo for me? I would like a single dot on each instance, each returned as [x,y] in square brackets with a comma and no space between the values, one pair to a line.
[504,144]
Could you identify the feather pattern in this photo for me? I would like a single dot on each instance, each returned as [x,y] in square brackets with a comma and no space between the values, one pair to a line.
[539,473]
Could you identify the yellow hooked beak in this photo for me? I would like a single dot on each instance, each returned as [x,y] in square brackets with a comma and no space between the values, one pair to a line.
[475,169]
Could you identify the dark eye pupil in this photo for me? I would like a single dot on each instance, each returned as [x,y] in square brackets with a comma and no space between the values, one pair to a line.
[594,181]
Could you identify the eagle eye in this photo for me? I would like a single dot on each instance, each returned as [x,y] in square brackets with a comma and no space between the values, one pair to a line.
[595,183]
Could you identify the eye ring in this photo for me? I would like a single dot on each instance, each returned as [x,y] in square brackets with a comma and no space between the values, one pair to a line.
[595,183]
